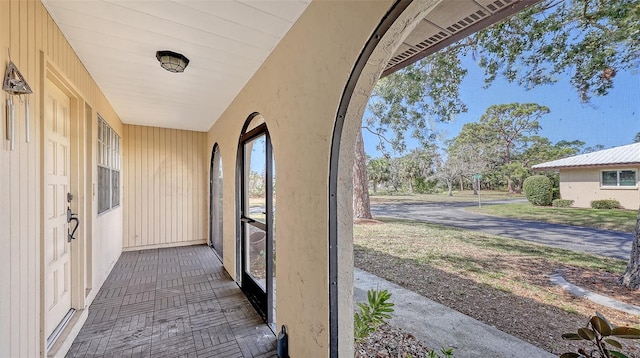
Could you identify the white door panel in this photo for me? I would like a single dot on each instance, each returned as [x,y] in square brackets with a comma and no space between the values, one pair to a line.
[56,168]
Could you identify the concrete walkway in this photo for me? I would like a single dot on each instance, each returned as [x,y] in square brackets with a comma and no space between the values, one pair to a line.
[599,242]
[439,326]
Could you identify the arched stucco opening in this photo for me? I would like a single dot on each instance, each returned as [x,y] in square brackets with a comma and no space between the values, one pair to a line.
[393,28]
[215,201]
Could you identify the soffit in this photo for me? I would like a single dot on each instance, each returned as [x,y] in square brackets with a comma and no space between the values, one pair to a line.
[449,22]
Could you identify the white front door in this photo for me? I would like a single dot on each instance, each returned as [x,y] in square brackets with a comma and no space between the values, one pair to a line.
[57,250]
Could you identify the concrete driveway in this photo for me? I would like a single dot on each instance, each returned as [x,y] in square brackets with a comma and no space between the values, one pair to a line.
[600,242]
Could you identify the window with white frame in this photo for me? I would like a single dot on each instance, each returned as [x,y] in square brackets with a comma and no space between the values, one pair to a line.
[619,178]
[108,167]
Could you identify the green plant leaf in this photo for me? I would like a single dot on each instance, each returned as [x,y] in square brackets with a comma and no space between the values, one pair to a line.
[614,343]
[601,326]
[626,332]
[571,336]
[617,354]
[586,334]
[604,319]
[570,355]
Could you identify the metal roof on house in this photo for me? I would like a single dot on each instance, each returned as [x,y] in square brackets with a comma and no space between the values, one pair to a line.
[626,154]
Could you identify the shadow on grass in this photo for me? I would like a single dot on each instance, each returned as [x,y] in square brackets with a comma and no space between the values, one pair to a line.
[496,306]
[526,248]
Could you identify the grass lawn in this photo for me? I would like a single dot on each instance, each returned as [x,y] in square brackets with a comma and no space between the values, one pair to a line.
[462,196]
[619,220]
[499,281]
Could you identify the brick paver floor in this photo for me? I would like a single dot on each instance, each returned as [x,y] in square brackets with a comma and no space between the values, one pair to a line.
[175,302]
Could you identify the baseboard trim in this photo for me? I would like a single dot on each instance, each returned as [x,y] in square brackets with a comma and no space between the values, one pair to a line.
[163,246]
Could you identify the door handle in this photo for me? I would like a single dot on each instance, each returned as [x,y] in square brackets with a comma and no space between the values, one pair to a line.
[247,220]
[71,217]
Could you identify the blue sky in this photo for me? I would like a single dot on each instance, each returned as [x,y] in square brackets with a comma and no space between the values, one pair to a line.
[612,120]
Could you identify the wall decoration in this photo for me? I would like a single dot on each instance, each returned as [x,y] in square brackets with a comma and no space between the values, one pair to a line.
[16,85]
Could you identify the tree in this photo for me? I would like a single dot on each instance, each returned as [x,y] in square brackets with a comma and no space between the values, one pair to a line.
[449,171]
[636,139]
[510,124]
[361,204]
[417,164]
[631,277]
[591,40]
[595,148]
[588,41]
[411,101]
[472,157]
[379,172]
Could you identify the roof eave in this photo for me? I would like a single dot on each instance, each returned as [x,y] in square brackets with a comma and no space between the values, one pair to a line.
[589,166]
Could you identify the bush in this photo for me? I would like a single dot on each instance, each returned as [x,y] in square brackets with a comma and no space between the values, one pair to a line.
[606,204]
[600,334]
[538,190]
[562,203]
[372,314]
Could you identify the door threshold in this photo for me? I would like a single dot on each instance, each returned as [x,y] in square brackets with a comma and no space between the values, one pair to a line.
[59,328]
[59,346]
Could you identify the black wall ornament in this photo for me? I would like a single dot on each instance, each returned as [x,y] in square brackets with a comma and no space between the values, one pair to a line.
[16,85]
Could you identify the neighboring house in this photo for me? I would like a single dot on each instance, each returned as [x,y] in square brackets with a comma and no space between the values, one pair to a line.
[141,150]
[605,174]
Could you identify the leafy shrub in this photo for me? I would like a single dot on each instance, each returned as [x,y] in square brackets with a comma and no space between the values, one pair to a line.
[424,186]
[605,204]
[373,313]
[562,203]
[600,333]
[538,190]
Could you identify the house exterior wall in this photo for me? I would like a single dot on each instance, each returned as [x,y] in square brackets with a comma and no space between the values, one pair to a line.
[297,91]
[26,29]
[164,191]
[583,186]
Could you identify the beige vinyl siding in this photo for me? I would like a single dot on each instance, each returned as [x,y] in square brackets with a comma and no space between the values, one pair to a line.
[27,29]
[164,191]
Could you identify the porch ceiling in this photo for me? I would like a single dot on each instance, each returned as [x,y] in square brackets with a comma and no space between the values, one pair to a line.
[226,42]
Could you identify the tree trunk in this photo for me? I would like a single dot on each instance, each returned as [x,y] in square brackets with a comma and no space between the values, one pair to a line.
[450,185]
[461,184]
[510,184]
[474,185]
[631,277]
[361,206]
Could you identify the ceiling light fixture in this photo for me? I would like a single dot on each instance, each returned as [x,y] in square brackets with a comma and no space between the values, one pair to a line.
[172,61]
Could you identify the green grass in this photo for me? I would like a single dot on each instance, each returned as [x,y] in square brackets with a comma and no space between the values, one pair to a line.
[619,220]
[468,251]
[462,196]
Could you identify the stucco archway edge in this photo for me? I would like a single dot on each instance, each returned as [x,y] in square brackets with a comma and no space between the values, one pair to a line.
[298,90]
[347,124]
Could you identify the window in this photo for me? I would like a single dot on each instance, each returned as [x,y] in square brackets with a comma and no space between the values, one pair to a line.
[108,167]
[623,178]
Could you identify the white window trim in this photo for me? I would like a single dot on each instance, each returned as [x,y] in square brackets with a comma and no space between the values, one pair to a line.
[108,157]
[618,186]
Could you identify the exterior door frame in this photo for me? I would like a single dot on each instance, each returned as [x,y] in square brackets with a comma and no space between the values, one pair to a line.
[80,175]
[215,154]
[264,304]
